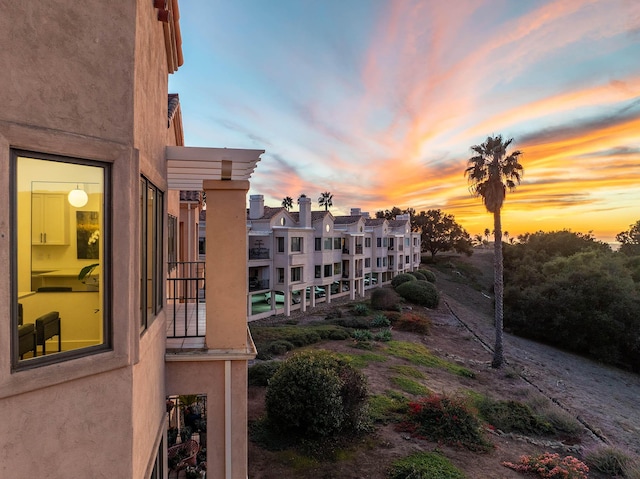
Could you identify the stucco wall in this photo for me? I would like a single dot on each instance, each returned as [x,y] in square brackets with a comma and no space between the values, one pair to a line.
[69,68]
[72,69]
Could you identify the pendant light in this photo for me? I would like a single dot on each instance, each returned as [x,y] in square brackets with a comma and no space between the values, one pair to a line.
[78,197]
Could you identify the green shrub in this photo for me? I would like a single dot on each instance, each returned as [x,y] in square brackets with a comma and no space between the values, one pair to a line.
[334,313]
[402,278]
[384,335]
[260,373]
[316,394]
[280,346]
[418,275]
[361,335]
[413,323]
[442,418]
[360,309]
[428,275]
[611,461]
[352,323]
[513,416]
[419,292]
[425,465]
[339,334]
[385,299]
[380,321]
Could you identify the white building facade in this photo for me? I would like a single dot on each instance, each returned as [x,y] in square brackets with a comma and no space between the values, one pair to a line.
[297,259]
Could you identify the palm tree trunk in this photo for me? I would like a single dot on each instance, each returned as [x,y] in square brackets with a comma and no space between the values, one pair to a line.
[498,290]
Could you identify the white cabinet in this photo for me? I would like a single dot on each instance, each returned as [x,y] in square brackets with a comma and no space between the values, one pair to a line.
[49,219]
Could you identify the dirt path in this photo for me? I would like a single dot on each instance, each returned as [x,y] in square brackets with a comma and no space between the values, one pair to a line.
[605,399]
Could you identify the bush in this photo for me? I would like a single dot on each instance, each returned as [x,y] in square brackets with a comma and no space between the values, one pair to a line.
[551,466]
[316,394]
[513,416]
[611,460]
[380,321]
[429,275]
[419,292]
[384,299]
[418,275]
[441,418]
[425,465]
[260,373]
[361,335]
[413,323]
[383,336]
[360,309]
[402,278]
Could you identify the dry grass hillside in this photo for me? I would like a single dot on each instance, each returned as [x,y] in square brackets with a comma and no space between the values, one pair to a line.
[602,401]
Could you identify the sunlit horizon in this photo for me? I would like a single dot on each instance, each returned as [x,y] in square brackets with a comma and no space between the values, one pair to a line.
[379,102]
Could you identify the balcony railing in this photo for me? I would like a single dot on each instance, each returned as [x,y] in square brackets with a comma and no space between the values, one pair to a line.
[258,253]
[185,299]
[258,284]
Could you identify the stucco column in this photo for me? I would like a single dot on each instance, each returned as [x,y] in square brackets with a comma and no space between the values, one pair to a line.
[226,264]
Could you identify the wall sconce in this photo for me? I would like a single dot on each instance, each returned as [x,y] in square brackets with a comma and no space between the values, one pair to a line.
[78,197]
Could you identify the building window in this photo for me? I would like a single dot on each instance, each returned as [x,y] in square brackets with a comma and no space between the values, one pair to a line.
[327,270]
[202,246]
[384,261]
[172,243]
[328,243]
[280,244]
[367,242]
[280,274]
[337,243]
[296,274]
[60,230]
[385,242]
[379,242]
[318,244]
[337,268]
[367,262]
[407,241]
[406,259]
[318,271]
[151,229]
[296,244]
[379,262]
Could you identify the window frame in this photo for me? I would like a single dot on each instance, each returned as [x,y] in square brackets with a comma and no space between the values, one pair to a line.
[105,263]
[157,254]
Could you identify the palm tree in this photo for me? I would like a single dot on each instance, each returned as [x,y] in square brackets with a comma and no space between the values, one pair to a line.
[486,234]
[287,203]
[326,200]
[506,235]
[490,173]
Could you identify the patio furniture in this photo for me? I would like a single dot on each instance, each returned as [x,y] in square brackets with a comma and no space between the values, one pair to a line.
[182,455]
[48,326]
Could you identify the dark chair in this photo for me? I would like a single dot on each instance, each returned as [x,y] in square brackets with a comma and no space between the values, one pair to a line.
[48,326]
[27,339]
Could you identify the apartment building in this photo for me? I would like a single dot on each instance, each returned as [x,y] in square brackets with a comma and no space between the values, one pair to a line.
[297,259]
[92,165]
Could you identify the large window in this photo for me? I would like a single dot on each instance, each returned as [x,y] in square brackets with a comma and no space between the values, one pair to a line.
[296,274]
[296,244]
[318,244]
[280,244]
[60,258]
[367,242]
[151,227]
[328,270]
[328,243]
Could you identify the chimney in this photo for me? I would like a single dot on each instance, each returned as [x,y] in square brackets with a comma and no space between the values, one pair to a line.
[305,211]
[256,207]
[355,212]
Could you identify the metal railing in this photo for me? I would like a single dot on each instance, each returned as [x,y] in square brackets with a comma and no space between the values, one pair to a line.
[185,293]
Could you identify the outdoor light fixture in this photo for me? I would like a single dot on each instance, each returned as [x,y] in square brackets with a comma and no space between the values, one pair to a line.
[78,197]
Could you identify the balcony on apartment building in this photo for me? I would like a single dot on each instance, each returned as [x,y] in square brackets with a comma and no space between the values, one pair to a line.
[185,305]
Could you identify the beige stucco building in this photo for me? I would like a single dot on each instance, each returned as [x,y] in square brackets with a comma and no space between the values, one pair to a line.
[92,162]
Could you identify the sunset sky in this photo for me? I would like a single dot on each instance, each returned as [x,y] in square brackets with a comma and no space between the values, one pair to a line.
[379,101]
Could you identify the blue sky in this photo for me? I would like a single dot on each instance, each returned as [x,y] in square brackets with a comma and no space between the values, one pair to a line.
[379,102]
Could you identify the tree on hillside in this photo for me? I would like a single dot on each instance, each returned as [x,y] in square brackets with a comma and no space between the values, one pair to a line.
[490,172]
[630,240]
[326,200]
[287,203]
[440,232]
